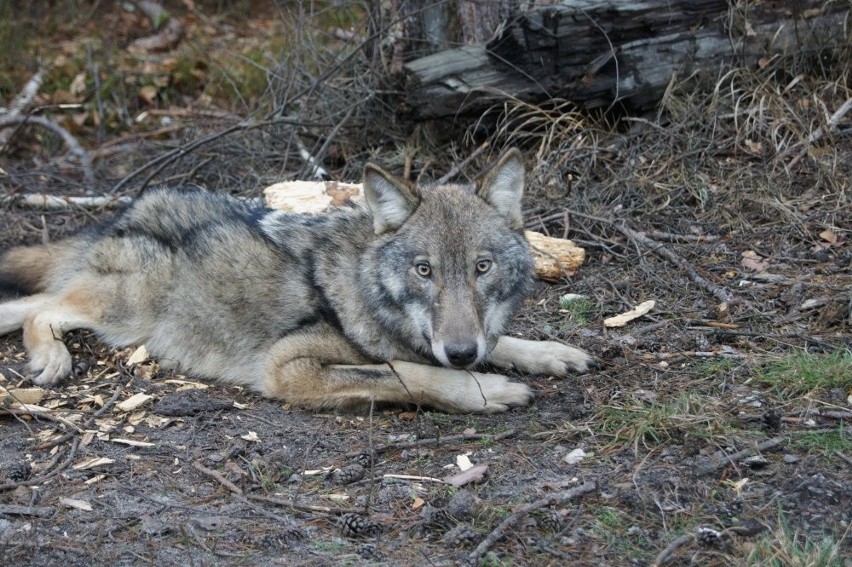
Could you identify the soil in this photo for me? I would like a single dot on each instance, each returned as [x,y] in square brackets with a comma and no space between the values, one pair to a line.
[691,453]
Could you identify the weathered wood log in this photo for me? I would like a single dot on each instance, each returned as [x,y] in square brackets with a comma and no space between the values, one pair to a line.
[599,53]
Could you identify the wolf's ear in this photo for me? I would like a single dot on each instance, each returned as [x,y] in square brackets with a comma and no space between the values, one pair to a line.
[503,186]
[391,200]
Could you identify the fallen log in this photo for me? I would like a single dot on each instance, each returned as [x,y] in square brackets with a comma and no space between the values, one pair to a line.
[599,53]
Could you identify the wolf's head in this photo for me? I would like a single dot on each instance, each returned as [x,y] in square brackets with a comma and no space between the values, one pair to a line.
[450,262]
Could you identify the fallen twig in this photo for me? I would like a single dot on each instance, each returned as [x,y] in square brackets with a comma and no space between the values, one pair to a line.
[666,555]
[43,478]
[26,96]
[555,498]
[713,466]
[36,511]
[87,425]
[304,507]
[218,476]
[74,147]
[44,201]
[436,440]
[720,293]
[456,169]
[41,415]
[817,134]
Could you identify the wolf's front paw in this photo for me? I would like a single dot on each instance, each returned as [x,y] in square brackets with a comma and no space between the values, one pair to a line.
[558,359]
[495,393]
[50,363]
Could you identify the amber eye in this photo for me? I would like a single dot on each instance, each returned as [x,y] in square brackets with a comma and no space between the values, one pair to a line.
[483,266]
[423,269]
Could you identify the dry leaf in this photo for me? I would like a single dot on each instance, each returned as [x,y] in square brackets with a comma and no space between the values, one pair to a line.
[148,94]
[829,237]
[626,317]
[751,261]
[754,147]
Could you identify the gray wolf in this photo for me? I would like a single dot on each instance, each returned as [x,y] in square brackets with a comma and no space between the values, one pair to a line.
[396,301]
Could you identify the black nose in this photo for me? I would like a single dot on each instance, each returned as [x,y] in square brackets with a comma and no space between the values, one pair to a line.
[460,354]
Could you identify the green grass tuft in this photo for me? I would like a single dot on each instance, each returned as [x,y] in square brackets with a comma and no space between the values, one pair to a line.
[801,374]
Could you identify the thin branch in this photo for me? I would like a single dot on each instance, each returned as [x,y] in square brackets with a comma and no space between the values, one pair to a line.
[74,147]
[435,440]
[556,498]
[731,459]
[720,293]
[26,96]
[456,169]
[43,201]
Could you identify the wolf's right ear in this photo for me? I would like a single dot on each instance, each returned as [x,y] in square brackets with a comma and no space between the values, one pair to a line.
[391,200]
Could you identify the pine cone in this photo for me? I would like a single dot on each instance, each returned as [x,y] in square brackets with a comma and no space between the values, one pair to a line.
[357,525]
[460,535]
[348,474]
[18,472]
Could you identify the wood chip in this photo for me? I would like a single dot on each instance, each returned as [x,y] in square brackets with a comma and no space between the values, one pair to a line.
[635,313]
[463,462]
[133,442]
[92,463]
[139,355]
[134,401]
[76,504]
[21,396]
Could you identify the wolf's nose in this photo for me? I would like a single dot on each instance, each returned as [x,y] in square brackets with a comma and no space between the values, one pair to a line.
[460,354]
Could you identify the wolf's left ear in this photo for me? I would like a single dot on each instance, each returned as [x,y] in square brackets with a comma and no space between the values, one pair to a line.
[391,200]
[503,186]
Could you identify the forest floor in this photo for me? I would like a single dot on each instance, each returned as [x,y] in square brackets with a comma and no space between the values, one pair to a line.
[717,432]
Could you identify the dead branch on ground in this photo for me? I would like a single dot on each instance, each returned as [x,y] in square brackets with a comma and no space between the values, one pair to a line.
[733,458]
[556,498]
[71,143]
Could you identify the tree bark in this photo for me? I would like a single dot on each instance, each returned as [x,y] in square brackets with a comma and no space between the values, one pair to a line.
[602,53]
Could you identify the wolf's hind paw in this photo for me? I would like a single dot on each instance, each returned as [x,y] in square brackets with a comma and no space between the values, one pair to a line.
[51,365]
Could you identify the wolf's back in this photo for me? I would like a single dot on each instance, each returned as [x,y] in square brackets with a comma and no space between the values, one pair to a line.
[28,269]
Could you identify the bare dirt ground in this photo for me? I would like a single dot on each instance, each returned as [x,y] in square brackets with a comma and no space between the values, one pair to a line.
[716,433]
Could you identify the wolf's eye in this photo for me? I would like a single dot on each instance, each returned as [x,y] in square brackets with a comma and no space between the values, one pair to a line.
[483,266]
[423,269]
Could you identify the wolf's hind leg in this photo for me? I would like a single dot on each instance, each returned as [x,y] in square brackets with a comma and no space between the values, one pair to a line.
[45,324]
[540,357]
[312,377]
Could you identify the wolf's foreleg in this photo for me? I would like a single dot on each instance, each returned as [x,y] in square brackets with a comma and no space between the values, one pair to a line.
[312,376]
[539,357]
